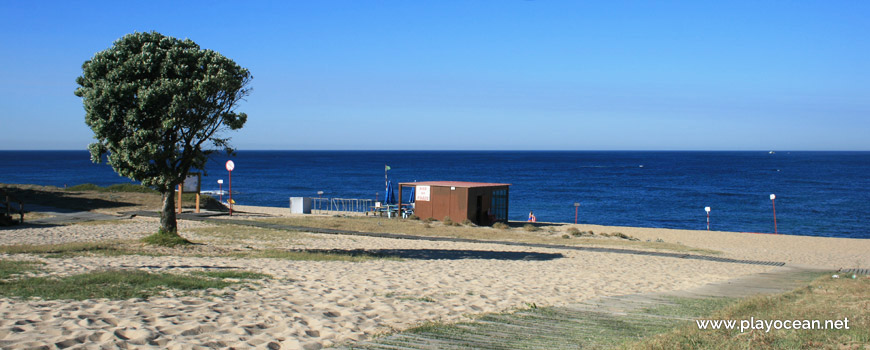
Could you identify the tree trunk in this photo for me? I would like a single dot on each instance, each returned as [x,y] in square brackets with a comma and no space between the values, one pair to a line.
[167,216]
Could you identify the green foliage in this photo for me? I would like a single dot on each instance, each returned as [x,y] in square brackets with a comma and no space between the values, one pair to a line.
[9,268]
[126,187]
[165,239]
[156,105]
[105,284]
[86,187]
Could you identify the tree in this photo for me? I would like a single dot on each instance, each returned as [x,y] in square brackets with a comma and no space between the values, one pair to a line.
[156,105]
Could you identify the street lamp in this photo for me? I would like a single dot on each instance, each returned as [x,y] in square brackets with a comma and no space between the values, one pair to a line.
[221,190]
[319,194]
[707,209]
[576,206]
[773,201]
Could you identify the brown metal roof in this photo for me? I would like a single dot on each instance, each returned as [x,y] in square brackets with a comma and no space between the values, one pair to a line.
[453,184]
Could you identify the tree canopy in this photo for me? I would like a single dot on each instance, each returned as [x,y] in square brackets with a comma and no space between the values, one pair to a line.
[157,105]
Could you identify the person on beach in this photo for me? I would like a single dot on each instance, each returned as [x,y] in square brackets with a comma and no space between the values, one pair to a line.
[532,217]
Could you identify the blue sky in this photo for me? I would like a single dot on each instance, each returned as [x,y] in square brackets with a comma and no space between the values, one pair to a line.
[481,75]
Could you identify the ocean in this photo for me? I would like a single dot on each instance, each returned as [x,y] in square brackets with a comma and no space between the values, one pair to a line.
[817,193]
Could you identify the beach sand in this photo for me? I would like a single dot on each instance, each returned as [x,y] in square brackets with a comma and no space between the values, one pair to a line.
[314,304]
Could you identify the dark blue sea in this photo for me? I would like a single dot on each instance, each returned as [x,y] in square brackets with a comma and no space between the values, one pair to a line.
[817,193]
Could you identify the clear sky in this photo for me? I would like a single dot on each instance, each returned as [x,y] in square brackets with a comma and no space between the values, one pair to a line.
[479,75]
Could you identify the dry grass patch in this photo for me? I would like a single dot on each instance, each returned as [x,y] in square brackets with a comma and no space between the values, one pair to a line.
[238,234]
[824,299]
[413,227]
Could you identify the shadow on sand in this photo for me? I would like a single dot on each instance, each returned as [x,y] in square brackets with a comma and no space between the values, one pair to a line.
[443,254]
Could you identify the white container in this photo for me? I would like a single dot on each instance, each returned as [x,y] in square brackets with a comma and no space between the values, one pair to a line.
[300,205]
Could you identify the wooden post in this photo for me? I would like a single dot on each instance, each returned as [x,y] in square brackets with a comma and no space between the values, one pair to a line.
[197,202]
[179,199]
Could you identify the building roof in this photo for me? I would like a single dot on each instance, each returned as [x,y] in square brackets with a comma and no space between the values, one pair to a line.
[462,184]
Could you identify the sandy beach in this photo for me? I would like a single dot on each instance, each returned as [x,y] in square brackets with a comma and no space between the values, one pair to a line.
[314,304]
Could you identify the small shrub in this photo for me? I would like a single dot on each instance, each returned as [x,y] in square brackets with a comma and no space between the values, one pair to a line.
[85,187]
[619,235]
[448,222]
[413,217]
[166,239]
[429,219]
[500,226]
[130,188]
[467,222]
[659,240]
[566,236]
[574,231]
[427,225]
[604,234]
[530,228]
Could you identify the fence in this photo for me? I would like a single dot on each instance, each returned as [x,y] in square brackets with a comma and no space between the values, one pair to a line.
[334,205]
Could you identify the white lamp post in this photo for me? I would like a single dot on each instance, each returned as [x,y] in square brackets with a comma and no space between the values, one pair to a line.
[221,190]
[707,209]
[576,206]
[773,201]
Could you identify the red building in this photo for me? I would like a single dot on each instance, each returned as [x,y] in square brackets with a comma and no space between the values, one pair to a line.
[481,203]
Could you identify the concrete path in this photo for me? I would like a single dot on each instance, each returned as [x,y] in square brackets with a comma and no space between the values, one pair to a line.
[66,216]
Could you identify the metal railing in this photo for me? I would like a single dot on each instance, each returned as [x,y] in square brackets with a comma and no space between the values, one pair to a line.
[335,205]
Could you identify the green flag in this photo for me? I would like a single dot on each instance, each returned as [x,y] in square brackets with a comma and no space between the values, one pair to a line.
[386,167]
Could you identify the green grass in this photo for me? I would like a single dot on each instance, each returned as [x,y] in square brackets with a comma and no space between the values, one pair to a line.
[235,274]
[74,249]
[9,268]
[124,187]
[824,299]
[166,239]
[119,284]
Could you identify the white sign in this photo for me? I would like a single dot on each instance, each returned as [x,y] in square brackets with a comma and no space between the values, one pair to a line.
[191,183]
[772,196]
[230,165]
[707,209]
[422,193]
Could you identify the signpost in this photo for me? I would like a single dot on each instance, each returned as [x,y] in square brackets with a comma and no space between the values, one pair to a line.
[230,167]
[191,184]
[773,201]
[576,206]
[707,209]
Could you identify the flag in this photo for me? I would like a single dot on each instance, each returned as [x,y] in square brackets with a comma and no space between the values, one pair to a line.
[386,167]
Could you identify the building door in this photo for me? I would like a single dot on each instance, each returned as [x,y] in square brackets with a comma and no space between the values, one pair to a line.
[478,209]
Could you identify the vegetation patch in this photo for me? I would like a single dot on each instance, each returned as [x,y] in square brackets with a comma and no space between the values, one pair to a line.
[234,274]
[498,232]
[65,250]
[824,299]
[124,187]
[531,228]
[166,239]
[116,284]
[9,268]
